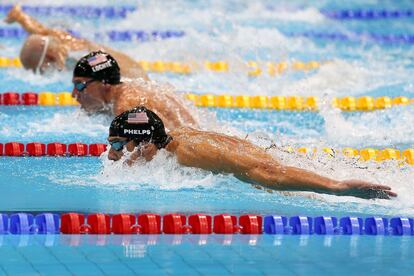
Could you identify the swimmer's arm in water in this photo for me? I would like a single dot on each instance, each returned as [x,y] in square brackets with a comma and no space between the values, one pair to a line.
[291,178]
[253,165]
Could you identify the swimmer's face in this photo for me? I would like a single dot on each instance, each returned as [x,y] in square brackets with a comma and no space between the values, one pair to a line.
[145,150]
[91,96]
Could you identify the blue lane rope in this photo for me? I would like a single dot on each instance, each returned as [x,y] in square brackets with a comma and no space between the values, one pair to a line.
[359,37]
[113,35]
[368,14]
[143,36]
[109,12]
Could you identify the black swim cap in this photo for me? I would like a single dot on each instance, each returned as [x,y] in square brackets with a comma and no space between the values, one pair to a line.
[141,125]
[98,66]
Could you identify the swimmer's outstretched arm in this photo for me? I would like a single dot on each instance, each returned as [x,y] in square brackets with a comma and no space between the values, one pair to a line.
[33,26]
[131,68]
[220,153]
[292,178]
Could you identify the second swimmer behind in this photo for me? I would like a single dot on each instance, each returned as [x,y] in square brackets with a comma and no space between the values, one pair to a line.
[141,132]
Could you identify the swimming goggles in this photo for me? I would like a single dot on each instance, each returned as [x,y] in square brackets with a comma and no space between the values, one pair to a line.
[118,145]
[81,85]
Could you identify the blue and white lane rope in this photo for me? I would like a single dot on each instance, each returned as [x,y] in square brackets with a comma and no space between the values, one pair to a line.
[113,35]
[88,12]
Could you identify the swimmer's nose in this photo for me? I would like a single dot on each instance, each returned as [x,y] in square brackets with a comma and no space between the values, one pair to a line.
[75,93]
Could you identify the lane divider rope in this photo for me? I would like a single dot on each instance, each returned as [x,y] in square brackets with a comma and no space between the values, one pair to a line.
[88,12]
[142,35]
[36,149]
[253,68]
[391,39]
[111,12]
[368,14]
[155,224]
[113,35]
[296,103]
[288,103]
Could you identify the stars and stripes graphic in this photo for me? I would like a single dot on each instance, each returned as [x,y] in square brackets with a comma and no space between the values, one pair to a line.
[137,118]
[98,59]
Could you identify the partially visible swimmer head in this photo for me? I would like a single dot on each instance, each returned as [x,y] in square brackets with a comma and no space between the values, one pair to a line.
[41,53]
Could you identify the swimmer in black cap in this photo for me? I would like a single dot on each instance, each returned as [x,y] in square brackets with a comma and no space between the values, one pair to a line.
[98,87]
[142,133]
[49,49]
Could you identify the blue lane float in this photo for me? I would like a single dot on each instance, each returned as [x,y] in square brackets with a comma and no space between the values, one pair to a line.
[351,225]
[52,223]
[368,14]
[89,12]
[112,35]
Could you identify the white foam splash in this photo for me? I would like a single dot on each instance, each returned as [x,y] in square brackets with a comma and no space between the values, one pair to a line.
[163,172]
[390,173]
[380,128]
[74,122]
[52,77]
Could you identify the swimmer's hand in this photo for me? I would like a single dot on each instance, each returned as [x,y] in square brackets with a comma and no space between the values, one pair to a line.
[13,14]
[364,189]
[143,152]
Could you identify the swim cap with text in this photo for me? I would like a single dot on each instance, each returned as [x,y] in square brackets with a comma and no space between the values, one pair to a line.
[98,66]
[141,125]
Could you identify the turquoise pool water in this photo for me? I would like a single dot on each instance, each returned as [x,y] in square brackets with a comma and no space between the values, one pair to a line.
[211,255]
[232,31]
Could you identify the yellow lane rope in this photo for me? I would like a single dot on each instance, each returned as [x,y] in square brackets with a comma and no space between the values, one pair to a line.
[366,154]
[253,68]
[288,103]
[296,103]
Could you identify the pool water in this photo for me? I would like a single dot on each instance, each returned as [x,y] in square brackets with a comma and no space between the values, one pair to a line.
[236,32]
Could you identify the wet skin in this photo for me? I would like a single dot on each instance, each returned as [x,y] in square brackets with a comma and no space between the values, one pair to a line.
[225,154]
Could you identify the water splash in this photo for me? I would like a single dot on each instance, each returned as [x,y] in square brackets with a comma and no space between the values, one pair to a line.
[161,173]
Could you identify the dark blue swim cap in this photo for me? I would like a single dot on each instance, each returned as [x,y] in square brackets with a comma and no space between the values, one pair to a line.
[98,66]
[141,125]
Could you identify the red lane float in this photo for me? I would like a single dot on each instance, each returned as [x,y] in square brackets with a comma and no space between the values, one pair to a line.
[71,223]
[29,98]
[97,149]
[225,224]
[56,149]
[14,149]
[150,223]
[11,98]
[250,224]
[174,224]
[99,224]
[200,224]
[78,149]
[36,149]
[1,149]
[123,224]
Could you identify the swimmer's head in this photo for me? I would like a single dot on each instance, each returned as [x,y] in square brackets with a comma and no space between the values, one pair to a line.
[98,66]
[136,127]
[40,53]
[93,78]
